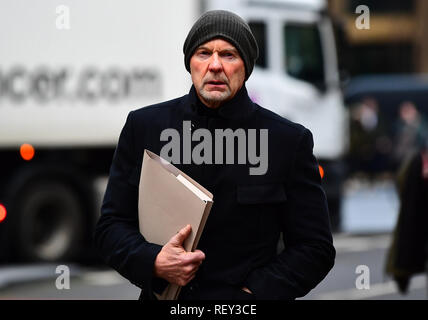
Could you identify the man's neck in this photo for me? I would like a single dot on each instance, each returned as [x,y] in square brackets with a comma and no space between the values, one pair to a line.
[212,104]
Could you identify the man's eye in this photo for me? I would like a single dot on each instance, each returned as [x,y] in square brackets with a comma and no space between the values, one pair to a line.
[228,55]
[204,53]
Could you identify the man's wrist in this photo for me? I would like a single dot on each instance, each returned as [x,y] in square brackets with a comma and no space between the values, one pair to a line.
[156,268]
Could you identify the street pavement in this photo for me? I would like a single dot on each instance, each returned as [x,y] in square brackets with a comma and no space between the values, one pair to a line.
[40,281]
[369,253]
[369,216]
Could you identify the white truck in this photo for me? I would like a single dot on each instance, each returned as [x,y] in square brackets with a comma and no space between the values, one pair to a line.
[70,73]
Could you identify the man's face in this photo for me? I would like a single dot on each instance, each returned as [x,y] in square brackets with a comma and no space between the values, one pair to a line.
[218,72]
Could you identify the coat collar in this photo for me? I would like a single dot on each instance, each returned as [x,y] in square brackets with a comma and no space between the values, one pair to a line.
[239,107]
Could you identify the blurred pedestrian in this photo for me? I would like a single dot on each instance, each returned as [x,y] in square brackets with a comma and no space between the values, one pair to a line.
[408,252]
[370,145]
[411,132]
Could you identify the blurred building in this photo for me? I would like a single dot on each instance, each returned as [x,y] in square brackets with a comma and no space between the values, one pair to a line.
[396,41]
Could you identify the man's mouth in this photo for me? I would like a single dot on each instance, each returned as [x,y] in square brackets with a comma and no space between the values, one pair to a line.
[216,83]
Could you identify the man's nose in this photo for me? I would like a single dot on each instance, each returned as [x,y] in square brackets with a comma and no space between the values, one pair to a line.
[215,63]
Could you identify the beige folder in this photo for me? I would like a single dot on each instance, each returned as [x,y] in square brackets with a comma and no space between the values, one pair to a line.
[168,201]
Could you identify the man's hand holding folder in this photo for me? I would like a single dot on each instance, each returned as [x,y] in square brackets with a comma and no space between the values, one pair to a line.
[174,263]
[168,200]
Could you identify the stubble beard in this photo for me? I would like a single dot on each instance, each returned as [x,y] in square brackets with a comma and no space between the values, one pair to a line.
[215,96]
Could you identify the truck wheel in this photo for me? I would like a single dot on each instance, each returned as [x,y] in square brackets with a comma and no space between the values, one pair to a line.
[49,222]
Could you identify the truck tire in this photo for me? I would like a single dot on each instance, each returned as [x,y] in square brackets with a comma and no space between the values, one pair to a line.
[49,222]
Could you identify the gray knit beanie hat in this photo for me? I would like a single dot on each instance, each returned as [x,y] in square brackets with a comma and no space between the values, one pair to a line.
[225,25]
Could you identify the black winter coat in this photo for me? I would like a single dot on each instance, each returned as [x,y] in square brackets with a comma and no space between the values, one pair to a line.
[249,212]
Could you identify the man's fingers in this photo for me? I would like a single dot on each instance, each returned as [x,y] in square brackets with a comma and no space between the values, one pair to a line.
[193,258]
[199,254]
[192,268]
[184,281]
[181,235]
[195,269]
[190,278]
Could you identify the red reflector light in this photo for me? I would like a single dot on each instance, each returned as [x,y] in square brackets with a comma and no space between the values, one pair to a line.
[27,151]
[321,171]
[2,213]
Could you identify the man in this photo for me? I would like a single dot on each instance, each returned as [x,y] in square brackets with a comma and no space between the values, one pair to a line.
[237,254]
